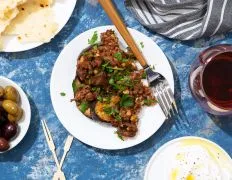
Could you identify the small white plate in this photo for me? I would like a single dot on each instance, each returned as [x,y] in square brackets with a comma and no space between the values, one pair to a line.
[24,122]
[94,133]
[63,10]
[162,160]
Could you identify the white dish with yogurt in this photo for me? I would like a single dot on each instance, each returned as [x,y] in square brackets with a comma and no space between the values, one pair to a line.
[189,158]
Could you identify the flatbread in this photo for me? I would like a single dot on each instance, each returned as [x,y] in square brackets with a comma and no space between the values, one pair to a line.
[9,16]
[34,22]
[8,5]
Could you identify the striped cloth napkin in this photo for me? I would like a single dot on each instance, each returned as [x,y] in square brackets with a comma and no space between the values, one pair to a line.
[183,19]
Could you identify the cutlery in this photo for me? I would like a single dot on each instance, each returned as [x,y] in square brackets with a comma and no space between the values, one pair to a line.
[67,146]
[59,175]
[51,145]
[157,82]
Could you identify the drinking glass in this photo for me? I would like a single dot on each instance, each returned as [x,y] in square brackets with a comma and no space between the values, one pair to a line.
[210,79]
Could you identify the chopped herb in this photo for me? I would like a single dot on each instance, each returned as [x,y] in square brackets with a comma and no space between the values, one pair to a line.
[100,98]
[95,47]
[84,106]
[96,89]
[118,56]
[144,75]
[126,101]
[149,102]
[119,135]
[62,94]
[93,39]
[74,86]
[111,81]
[106,100]
[118,117]
[106,67]
[113,112]
[86,53]
[141,44]
[110,110]
[125,60]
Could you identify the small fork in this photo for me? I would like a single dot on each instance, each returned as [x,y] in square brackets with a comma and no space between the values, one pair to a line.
[157,82]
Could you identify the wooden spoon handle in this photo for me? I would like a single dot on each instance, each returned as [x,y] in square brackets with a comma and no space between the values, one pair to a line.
[117,21]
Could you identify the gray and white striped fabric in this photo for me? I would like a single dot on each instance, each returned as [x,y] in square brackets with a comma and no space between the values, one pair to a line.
[183,19]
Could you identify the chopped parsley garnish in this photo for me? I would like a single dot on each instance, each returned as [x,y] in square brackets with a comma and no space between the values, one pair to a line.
[125,60]
[96,89]
[74,86]
[106,100]
[110,110]
[144,75]
[100,98]
[93,39]
[108,68]
[113,112]
[62,94]
[126,101]
[95,46]
[118,56]
[84,106]
[119,135]
[149,102]
[141,44]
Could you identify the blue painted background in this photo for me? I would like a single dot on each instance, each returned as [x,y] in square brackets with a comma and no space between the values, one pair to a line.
[31,159]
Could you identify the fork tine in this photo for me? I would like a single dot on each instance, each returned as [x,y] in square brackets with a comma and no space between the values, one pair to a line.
[170,93]
[168,98]
[45,132]
[164,97]
[48,131]
[157,95]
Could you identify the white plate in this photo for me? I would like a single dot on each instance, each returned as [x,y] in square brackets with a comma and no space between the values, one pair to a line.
[86,130]
[24,122]
[11,43]
[161,161]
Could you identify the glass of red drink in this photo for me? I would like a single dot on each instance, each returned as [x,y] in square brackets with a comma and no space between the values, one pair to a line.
[211,79]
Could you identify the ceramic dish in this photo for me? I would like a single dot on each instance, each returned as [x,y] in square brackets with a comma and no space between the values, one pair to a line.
[189,158]
[24,122]
[11,43]
[94,133]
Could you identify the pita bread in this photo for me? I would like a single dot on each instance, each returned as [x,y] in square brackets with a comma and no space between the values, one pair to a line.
[9,16]
[34,22]
[8,5]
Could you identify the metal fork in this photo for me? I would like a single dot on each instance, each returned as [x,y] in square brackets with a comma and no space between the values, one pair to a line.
[157,82]
[162,92]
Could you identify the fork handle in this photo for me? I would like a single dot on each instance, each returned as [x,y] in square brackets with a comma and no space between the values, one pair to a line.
[117,21]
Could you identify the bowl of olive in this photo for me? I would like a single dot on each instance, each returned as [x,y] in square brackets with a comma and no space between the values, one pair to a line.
[15,114]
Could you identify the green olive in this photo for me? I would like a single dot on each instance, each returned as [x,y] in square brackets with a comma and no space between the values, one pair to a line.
[11,93]
[10,107]
[1,91]
[15,118]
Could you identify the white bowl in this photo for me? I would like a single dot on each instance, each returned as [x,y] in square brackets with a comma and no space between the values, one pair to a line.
[24,122]
[161,160]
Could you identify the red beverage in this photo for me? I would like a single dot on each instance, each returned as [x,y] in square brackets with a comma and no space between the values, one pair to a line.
[210,79]
[217,80]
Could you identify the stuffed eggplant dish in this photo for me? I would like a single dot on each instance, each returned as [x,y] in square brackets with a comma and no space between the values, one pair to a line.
[108,85]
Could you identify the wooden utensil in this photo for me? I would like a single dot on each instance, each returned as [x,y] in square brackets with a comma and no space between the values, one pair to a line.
[157,81]
[119,24]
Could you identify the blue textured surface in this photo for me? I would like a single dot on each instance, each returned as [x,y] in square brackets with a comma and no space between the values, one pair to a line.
[31,159]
